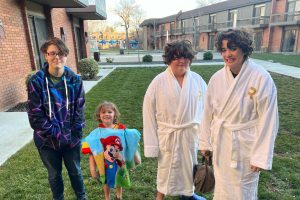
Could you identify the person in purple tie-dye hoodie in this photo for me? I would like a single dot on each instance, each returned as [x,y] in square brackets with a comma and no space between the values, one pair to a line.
[56,114]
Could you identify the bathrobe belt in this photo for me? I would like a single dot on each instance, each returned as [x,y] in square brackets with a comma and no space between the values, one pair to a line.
[221,124]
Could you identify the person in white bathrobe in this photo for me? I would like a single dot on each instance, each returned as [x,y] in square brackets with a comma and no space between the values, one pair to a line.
[172,111]
[240,119]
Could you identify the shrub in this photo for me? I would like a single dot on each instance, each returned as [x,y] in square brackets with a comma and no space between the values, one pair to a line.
[208,55]
[29,76]
[88,68]
[109,60]
[147,58]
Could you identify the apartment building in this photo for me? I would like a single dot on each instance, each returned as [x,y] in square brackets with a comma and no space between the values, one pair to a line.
[26,24]
[274,25]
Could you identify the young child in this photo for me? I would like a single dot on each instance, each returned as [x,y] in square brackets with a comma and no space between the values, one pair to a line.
[113,146]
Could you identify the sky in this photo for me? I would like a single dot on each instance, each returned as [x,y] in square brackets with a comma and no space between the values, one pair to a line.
[153,8]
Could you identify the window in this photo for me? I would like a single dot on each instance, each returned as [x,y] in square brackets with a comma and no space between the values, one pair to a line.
[172,25]
[289,40]
[232,18]
[197,21]
[293,6]
[62,34]
[257,38]
[259,13]
[212,19]
[260,10]
[183,22]
[178,24]
[211,41]
[293,9]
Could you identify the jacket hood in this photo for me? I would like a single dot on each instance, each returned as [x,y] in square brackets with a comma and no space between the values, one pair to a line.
[45,71]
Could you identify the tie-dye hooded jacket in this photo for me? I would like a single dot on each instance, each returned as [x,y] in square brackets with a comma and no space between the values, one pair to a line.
[56,111]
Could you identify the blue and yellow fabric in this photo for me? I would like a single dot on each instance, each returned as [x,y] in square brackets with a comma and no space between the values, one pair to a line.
[130,141]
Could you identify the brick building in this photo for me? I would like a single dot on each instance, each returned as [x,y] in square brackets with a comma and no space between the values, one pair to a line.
[26,24]
[274,25]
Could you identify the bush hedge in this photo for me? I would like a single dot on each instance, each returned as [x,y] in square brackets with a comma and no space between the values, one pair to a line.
[208,55]
[147,58]
[88,68]
[28,77]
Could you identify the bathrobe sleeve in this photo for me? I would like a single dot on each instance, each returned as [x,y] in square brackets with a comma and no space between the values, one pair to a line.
[262,151]
[205,131]
[150,137]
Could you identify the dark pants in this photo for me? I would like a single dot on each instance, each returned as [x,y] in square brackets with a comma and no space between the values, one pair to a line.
[52,160]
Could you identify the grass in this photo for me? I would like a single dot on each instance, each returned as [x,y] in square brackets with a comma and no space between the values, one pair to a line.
[286,59]
[24,177]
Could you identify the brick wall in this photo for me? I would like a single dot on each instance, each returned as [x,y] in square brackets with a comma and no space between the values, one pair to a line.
[15,61]
[61,19]
[203,41]
[276,39]
[265,39]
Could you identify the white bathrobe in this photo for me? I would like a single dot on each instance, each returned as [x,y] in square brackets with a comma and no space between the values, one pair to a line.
[240,124]
[171,119]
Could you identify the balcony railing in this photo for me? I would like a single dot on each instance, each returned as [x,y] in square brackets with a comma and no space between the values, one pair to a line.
[260,20]
[95,11]
[157,33]
[207,28]
[188,30]
[253,21]
[224,25]
[178,31]
[286,18]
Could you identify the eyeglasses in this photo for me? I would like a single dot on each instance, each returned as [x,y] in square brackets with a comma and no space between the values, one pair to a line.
[54,54]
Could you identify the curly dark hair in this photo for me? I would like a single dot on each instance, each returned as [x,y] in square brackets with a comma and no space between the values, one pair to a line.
[239,38]
[179,49]
[63,49]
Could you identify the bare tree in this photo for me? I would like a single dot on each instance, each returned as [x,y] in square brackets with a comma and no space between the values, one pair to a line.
[125,9]
[137,19]
[202,3]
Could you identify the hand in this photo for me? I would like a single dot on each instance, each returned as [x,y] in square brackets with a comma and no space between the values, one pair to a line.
[255,169]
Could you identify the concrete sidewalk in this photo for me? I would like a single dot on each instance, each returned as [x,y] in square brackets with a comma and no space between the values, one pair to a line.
[15,129]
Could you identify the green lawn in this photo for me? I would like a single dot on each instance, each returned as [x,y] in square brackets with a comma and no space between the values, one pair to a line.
[23,176]
[286,59]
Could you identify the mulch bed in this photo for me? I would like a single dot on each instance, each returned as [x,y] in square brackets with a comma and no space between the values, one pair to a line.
[94,79]
[21,107]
